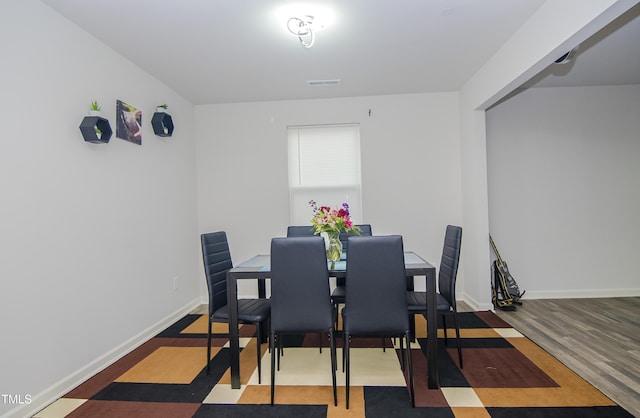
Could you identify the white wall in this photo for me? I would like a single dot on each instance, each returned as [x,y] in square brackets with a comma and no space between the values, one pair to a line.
[410,167]
[555,27]
[91,235]
[564,189]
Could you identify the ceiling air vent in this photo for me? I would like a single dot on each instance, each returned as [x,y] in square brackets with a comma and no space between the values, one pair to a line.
[321,83]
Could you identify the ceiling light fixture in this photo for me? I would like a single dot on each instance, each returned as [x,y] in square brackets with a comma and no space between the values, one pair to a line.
[303,20]
[302,27]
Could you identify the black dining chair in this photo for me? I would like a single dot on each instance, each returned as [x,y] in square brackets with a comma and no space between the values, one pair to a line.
[301,231]
[217,261]
[446,297]
[300,300]
[376,297]
[338,294]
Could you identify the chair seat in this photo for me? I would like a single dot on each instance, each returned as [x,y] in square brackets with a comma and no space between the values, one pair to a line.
[338,295]
[417,302]
[249,310]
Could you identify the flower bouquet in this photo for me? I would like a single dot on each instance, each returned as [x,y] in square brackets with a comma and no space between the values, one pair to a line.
[330,222]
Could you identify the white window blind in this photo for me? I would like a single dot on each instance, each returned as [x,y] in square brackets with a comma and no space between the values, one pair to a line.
[324,165]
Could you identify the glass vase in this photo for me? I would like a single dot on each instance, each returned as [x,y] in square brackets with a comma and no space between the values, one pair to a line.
[333,246]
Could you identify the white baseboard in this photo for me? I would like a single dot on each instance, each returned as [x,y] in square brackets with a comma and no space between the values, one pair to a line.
[477,305]
[581,294]
[55,391]
[558,294]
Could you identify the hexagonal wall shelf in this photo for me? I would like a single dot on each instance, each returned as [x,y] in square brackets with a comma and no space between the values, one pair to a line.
[96,129]
[162,124]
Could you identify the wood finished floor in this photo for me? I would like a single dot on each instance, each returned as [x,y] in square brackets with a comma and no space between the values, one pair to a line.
[599,339]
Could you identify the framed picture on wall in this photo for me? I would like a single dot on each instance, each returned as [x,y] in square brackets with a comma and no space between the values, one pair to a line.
[128,122]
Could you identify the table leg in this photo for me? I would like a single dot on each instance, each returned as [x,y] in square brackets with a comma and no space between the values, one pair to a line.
[264,328]
[234,342]
[432,332]
[412,318]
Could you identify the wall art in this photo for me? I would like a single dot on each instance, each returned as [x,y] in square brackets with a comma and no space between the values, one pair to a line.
[128,122]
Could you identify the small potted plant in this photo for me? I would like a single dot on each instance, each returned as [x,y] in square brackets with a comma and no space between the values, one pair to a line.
[94,110]
[161,121]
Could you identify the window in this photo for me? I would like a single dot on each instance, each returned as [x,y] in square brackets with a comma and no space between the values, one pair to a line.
[324,165]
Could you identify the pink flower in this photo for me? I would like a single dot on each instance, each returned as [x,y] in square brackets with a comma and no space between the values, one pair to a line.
[332,220]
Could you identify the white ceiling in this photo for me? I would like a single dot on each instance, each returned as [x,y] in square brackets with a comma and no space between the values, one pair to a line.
[216,51]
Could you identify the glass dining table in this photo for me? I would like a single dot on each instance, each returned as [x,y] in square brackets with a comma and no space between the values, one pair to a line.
[259,267]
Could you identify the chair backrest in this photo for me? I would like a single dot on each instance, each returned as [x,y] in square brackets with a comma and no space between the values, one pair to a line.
[449,264]
[300,297]
[376,286]
[365,231]
[300,231]
[217,261]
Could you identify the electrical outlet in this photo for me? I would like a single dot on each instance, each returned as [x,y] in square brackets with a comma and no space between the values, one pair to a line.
[176,283]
